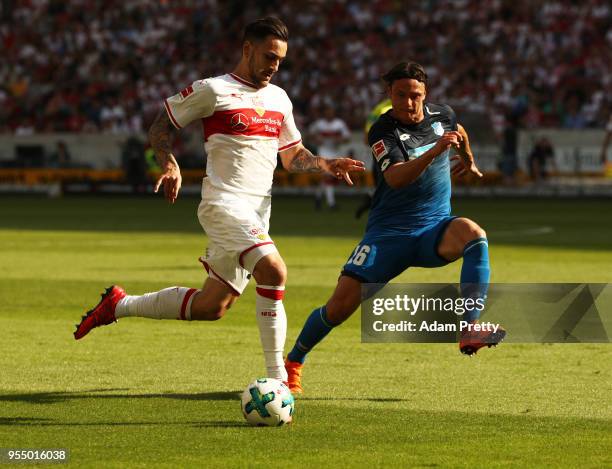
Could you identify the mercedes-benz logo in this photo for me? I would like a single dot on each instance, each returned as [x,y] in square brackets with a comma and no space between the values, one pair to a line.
[239,122]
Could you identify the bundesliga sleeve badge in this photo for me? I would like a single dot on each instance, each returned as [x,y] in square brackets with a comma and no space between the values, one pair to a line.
[379,149]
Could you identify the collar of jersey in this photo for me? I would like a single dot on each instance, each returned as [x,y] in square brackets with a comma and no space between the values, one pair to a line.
[243,81]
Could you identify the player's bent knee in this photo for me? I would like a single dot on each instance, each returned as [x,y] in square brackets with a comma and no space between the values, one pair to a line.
[279,274]
[470,230]
[476,232]
[270,270]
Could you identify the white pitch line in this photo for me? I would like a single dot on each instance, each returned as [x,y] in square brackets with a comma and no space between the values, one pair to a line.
[540,230]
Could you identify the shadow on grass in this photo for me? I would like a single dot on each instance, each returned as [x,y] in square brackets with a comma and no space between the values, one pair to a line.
[35,422]
[56,397]
[340,398]
[23,421]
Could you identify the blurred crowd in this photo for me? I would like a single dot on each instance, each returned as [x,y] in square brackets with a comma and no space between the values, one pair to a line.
[105,66]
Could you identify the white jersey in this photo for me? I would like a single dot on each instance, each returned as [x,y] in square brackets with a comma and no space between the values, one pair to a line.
[328,132]
[244,128]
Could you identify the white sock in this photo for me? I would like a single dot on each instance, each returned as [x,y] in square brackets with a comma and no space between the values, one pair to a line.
[330,196]
[169,303]
[272,322]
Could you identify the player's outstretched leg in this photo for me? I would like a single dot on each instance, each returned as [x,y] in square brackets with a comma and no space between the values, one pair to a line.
[169,303]
[101,314]
[182,303]
[322,320]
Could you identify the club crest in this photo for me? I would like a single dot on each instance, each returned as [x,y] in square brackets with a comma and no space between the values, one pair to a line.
[258,105]
[437,128]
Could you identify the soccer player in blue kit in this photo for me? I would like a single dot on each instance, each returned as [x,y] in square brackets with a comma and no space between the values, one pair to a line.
[410,223]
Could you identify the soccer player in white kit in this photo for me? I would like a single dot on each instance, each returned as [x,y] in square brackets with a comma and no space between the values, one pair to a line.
[246,122]
[328,132]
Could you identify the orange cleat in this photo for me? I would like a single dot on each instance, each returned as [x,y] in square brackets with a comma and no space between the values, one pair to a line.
[102,314]
[473,339]
[294,376]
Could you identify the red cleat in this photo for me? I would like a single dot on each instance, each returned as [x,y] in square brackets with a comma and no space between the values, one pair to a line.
[102,314]
[472,341]
[294,376]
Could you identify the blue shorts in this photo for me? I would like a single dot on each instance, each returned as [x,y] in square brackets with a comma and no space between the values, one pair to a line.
[380,257]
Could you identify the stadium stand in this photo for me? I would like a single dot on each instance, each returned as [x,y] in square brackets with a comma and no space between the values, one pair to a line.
[507,66]
[84,65]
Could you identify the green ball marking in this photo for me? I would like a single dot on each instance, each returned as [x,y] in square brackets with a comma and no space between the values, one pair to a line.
[258,402]
[289,401]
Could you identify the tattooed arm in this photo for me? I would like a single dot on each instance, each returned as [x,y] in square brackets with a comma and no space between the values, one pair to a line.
[299,159]
[161,136]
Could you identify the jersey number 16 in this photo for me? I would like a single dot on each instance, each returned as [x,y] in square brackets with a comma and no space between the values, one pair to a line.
[360,255]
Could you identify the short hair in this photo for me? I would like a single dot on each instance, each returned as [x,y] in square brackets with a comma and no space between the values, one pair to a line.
[403,70]
[260,29]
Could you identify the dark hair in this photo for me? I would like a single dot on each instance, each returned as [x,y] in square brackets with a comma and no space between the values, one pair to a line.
[405,70]
[259,29]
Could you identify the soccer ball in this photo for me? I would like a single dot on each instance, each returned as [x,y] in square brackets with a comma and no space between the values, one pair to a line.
[267,402]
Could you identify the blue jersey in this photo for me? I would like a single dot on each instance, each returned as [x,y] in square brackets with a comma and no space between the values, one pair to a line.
[427,200]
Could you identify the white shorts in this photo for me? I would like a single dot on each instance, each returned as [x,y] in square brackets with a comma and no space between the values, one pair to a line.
[237,228]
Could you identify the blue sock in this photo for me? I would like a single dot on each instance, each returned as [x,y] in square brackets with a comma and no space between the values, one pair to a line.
[315,329]
[475,274]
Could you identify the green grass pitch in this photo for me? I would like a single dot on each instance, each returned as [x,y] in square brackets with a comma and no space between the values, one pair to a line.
[145,393]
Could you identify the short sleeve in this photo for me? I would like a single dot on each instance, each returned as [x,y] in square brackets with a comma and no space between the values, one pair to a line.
[451,116]
[383,144]
[289,135]
[196,101]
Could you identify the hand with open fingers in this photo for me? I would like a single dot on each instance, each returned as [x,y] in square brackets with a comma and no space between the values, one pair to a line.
[341,167]
[462,169]
[171,180]
[452,138]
